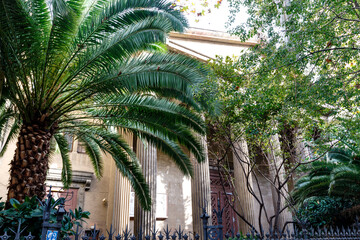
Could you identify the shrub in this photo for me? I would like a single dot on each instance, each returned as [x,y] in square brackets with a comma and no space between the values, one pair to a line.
[30,213]
[322,211]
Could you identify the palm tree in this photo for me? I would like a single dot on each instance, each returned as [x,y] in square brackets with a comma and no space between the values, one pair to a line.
[85,67]
[338,175]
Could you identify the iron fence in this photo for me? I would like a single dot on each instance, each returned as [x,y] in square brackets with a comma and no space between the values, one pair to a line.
[51,231]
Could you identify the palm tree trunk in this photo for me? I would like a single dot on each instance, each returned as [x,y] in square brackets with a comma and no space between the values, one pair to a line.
[29,166]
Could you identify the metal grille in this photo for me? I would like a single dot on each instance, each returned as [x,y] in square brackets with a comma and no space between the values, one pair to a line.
[211,232]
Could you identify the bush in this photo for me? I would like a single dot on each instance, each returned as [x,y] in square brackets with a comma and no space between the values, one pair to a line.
[30,213]
[322,211]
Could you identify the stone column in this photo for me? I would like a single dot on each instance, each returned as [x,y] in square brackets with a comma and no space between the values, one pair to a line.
[277,175]
[200,191]
[121,213]
[147,155]
[121,202]
[244,200]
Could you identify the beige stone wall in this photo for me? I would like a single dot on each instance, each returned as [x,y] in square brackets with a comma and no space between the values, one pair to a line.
[172,182]
[4,169]
[94,200]
[177,188]
[99,198]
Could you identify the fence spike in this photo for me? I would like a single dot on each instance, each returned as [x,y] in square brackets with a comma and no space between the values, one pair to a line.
[118,237]
[232,231]
[5,236]
[147,237]
[153,233]
[29,237]
[173,237]
[185,236]
[197,236]
[179,232]
[343,230]
[167,232]
[348,231]
[267,235]
[67,237]
[252,232]
[85,237]
[77,233]
[337,230]
[160,236]
[227,236]
[102,237]
[126,233]
[111,232]
[93,233]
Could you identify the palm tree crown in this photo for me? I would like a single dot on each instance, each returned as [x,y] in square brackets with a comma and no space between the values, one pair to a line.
[338,175]
[80,67]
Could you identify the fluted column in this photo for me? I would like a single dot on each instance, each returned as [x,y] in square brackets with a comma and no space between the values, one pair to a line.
[122,188]
[243,180]
[147,155]
[277,176]
[200,191]
[121,214]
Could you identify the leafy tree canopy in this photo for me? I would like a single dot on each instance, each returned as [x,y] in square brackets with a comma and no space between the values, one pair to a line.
[303,73]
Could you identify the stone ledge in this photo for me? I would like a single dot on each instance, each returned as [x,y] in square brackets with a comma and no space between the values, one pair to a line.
[83,177]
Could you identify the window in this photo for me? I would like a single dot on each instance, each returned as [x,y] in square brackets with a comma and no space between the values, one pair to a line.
[70,139]
[81,147]
[161,206]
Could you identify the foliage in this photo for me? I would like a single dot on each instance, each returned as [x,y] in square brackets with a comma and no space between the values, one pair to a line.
[85,68]
[30,213]
[321,211]
[198,8]
[297,89]
[299,84]
[337,176]
[308,51]
[256,107]
[292,79]
[73,219]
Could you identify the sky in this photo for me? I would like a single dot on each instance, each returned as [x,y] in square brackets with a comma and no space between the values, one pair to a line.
[215,20]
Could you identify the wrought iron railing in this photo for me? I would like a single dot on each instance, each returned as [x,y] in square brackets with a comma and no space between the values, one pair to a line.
[51,231]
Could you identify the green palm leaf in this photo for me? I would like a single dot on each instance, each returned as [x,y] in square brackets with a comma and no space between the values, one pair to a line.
[338,176]
[85,67]
[66,173]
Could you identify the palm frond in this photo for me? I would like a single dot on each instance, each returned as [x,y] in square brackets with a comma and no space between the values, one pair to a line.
[316,186]
[170,148]
[66,173]
[139,106]
[125,159]
[80,66]
[339,155]
[144,73]
[9,136]
[93,151]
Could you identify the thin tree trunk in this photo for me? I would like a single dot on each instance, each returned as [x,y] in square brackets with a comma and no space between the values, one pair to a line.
[29,166]
[288,146]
